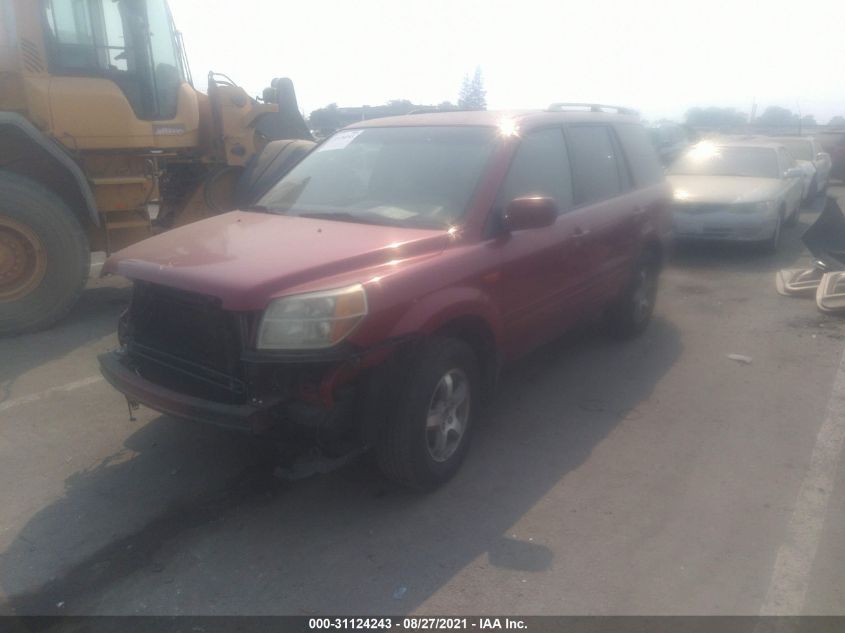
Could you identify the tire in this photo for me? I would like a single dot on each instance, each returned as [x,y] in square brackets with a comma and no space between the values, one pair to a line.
[268,167]
[771,245]
[792,220]
[39,232]
[407,448]
[630,315]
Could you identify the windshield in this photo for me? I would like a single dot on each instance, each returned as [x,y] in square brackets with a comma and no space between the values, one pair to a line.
[131,42]
[799,148]
[411,176]
[711,160]
[168,72]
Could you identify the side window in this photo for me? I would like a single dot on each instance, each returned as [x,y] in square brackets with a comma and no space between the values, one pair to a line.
[87,35]
[71,29]
[539,168]
[595,173]
[625,182]
[642,157]
[114,54]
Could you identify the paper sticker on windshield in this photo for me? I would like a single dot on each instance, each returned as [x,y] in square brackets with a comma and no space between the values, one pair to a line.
[339,140]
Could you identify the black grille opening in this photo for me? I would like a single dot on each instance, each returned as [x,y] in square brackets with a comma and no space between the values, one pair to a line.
[186,341]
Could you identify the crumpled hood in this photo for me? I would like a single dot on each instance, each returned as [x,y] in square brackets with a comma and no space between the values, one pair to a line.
[247,258]
[722,189]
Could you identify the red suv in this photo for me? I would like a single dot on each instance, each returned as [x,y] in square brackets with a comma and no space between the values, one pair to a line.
[372,297]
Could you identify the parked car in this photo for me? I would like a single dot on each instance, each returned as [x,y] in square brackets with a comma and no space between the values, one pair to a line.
[739,191]
[373,296]
[811,158]
[670,140]
[833,142]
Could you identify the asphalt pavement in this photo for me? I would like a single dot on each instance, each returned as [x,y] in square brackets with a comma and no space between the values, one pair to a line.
[656,476]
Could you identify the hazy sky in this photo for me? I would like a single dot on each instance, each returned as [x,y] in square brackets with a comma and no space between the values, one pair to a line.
[660,57]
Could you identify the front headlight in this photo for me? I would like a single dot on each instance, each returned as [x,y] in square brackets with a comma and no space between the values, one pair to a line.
[313,320]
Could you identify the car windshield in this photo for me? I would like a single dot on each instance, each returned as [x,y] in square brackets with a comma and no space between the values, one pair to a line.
[713,160]
[400,176]
[800,149]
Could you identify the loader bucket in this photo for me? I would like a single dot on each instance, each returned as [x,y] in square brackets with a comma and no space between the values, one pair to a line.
[288,123]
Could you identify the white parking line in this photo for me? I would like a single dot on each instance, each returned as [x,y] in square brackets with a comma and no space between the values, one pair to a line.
[35,397]
[791,577]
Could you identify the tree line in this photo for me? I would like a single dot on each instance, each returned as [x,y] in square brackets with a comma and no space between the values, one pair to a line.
[771,117]
[471,96]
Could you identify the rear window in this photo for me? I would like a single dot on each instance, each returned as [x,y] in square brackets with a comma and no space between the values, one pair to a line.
[595,172]
[642,158]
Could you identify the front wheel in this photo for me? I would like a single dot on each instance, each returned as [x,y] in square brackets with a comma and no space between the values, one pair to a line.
[792,220]
[632,312]
[44,256]
[427,430]
[771,244]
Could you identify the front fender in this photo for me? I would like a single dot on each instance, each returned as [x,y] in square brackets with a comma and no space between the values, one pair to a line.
[435,310]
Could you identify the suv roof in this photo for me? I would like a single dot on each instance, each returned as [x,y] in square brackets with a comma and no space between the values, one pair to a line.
[492,118]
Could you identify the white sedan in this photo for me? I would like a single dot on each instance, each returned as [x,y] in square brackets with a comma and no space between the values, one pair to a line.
[735,191]
[811,158]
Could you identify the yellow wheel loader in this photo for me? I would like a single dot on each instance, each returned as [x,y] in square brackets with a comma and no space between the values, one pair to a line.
[105,141]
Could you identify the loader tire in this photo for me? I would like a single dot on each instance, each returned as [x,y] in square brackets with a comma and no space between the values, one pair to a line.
[44,256]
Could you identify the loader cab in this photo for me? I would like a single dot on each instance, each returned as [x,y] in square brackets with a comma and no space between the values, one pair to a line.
[130,42]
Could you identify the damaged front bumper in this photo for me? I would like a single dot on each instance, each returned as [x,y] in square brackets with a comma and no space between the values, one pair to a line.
[117,369]
[301,395]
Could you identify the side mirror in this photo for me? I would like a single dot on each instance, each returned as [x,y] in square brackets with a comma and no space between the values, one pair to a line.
[822,156]
[534,212]
[794,172]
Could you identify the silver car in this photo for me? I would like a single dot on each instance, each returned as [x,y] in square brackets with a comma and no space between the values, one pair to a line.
[737,191]
[811,158]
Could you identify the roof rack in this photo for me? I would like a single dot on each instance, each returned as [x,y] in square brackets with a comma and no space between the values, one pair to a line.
[592,107]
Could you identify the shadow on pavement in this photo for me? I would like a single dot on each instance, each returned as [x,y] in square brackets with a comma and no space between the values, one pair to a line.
[93,317]
[220,535]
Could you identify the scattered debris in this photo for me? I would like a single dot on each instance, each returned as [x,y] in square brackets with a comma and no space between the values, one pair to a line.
[313,463]
[399,593]
[60,605]
[798,282]
[740,358]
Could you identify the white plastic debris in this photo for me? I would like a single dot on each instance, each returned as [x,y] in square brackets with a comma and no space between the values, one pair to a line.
[740,358]
[399,593]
